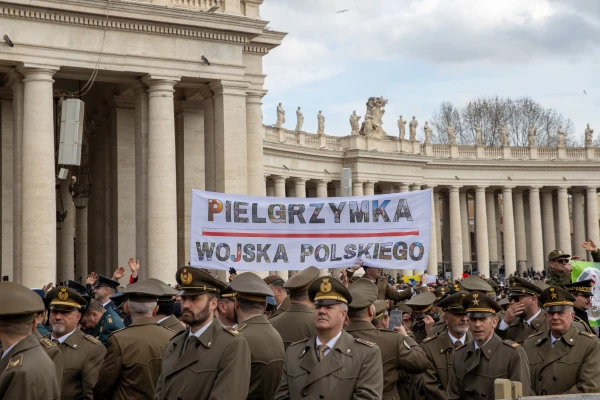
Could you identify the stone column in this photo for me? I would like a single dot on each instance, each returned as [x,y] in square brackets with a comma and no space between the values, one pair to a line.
[490,208]
[369,188]
[7,178]
[415,187]
[456,246]
[321,188]
[141,177]
[279,186]
[520,235]
[81,244]
[357,188]
[15,82]
[481,232]
[65,247]
[578,222]
[592,215]
[255,134]
[38,240]
[438,227]
[564,222]
[433,242]
[270,188]
[403,188]
[97,202]
[526,209]
[162,190]
[209,138]
[465,228]
[508,222]
[446,228]
[536,233]
[231,144]
[548,222]
[300,184]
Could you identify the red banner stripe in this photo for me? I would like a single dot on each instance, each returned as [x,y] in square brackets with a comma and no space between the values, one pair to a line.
[309,235]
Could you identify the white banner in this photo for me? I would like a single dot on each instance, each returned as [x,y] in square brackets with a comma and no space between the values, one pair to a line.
[284,233]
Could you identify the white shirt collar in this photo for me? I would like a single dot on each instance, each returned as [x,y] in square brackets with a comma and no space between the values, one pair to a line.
[162,319]
[104,304]
[553,339]
[463,339]
[5,352]
[331,343]
[64,337]
[534,317]
[475,341]
[201,330]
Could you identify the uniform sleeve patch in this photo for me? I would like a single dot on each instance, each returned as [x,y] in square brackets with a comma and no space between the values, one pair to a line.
[231,331]
[429,338]
[15,361]
[365,342]
[511,343]
[535,334]
[47,343]
[587,334]
[92,339]
[239,328]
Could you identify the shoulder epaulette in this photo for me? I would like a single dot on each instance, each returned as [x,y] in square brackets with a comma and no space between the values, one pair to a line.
[92,339]
[47,343]
[591,335]
[300,341]
[118,330]
[535,334]
[167,328]
[240,327]
[15,361]
[231,331]
[429,338]
[511,343]
[365,342]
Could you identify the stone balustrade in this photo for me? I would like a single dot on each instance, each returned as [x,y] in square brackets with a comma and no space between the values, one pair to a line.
[248,8]
[395,145]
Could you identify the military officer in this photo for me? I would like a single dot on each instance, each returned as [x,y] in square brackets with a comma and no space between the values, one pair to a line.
[477,364]
[563,359]
[206,360]
[134,355]
[82,354]
[297,322]
[103,289]
[559,271]
[439,325]
[24,365]
[524,316]
[476,284]
[504,303]
[441,345]
[282,300]
[422,307]
[166,305]
[381,319]
[332,364]
[384,290]
[401,353]
[53,352]
[266,346]
[225,308]
[582,291]
[100,321]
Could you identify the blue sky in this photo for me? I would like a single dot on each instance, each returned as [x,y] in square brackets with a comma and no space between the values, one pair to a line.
[419,53]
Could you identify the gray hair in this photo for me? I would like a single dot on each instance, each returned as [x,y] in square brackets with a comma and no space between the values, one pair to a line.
[137,309]
[343,306]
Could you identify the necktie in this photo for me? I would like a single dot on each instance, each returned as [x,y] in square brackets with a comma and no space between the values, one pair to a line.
[457,344]
[191,342]
[322,349]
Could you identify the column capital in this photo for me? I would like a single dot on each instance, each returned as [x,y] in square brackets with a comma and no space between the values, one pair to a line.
[278,178]
[117,101]
[370,183]
[480,188]
[34,72]
[160,83]
[454,188]
[508,188]
[563,188]
[591,188]
[13,77]
[299,180]
[139,88]
[535,187]
[255,96]
[232,88]
[188,106]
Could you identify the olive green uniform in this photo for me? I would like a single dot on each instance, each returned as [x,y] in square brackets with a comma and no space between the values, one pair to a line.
[280,310]
[108,323]
[352,370]
[295,324]
[438,327]
[54,353]
[82,359]
[214,366]
[398,353]
[267,355]
[133,360]
[473,372]
[519,330]
[570,366]
[24,372]
[173,324]
[556,279]
[439,349]
[385,291]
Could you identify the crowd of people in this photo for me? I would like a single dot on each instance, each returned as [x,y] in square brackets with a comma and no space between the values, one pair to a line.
[309,336]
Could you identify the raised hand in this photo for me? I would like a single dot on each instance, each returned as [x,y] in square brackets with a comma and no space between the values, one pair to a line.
[134,266]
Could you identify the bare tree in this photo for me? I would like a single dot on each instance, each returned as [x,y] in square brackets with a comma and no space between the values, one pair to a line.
[490,114]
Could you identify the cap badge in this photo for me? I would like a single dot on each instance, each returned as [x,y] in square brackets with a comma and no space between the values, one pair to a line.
[186,277]
[554,295]
[442,291]
[63,295]
[456,287]
[476,299]
[325,286]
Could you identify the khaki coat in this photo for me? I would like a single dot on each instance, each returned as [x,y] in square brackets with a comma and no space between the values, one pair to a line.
[385,291]
[267,356]
[398,353]
[295,324]
[473,373]
[281,309]
[571,366]
[54,353]
[352,370]
[173,324]
[132,362]
[517,331]
[214,366]
[24,372]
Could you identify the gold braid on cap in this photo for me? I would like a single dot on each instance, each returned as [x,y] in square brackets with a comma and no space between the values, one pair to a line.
[330,296]
[558,303]
[490,310]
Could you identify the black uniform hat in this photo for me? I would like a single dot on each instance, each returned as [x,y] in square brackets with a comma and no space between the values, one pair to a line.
[583,288]
[104,281]
[521,287]
[302,280]
[364,294]
[326,291]
[194,281]
[555,299]
[480,305]
[251,287]
[65,299]
[76,286]
[453,303]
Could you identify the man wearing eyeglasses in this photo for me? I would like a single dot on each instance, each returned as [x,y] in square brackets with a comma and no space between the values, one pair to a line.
[560,269]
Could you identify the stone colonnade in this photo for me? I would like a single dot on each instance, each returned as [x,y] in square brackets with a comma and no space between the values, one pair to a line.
[478,228]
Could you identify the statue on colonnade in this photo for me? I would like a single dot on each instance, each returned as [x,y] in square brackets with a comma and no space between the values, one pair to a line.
[300,118]
[589,133]
[375,108]
[504,135]
[354,119]
[478,135]
[561,137]
[320,123]
[280,116]
[531,135]
[402,128]
[412,127]
[428,132]
[451,135]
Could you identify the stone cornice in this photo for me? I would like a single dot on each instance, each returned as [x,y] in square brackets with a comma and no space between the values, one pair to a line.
[180,25]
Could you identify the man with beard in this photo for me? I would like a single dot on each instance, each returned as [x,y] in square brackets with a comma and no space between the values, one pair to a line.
[582,291]
[384,290]
[134,355]
[297,322]
[400,351]
[82,354]
[225,308]
[332,364]
[422,307]
[100,322]
[563,360]
[477,364]
[266,346]
[440,347]
[25,369]
[206,360]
